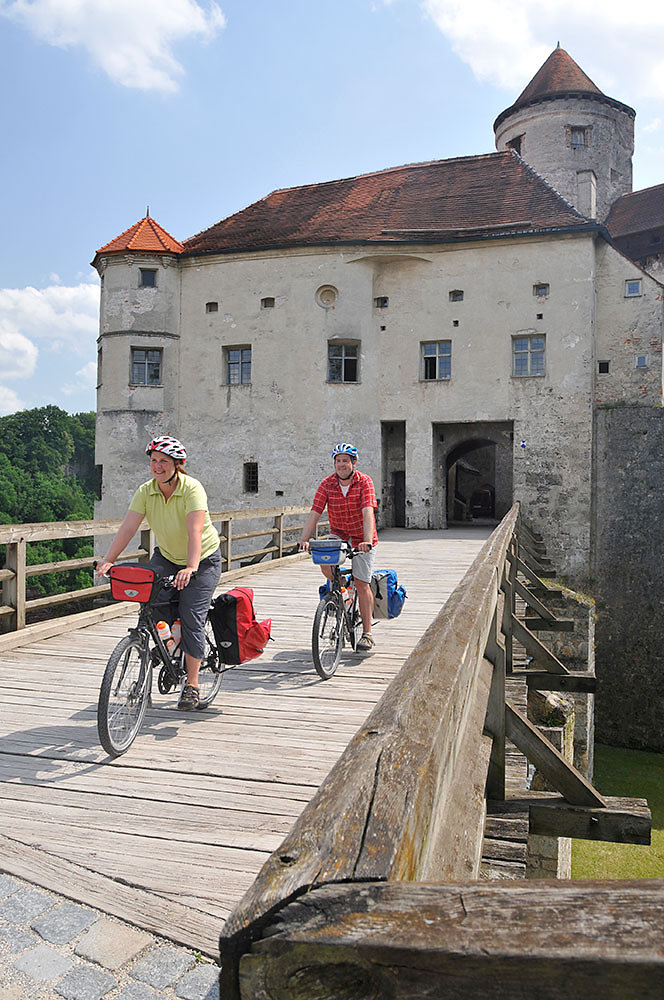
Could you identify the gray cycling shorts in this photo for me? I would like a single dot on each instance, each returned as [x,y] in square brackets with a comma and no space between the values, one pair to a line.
[194,600]
[363,563]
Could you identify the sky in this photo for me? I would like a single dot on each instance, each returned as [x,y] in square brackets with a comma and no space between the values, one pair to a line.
[197,109]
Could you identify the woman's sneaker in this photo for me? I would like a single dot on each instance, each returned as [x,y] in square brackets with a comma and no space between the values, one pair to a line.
[366,643]
[189,698]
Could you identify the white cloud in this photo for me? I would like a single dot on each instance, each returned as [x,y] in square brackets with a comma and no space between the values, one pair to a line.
[506,41]
[59,316]
[9,401]
[130,40]
[86,380]
[18,355]
[653,126]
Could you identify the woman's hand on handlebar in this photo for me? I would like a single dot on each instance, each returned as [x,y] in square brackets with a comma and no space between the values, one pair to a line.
[182,577]
[102,567]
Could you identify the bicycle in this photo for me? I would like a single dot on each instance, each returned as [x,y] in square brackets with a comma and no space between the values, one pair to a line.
[337,616]
[126,687]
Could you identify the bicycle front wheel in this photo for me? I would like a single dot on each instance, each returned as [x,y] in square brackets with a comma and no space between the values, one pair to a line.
[124,695]
[211,672]
[327,636]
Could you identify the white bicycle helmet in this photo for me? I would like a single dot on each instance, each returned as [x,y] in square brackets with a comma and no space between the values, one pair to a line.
[169,446]
[343,448]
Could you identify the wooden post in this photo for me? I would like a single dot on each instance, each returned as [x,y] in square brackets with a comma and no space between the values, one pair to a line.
[507,586]
[495,716]
[146,543]
[278,536]
[227,531]
[14,589]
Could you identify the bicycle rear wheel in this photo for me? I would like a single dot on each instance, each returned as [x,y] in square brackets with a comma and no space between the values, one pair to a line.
[124,695]
[210,674]
[327,635]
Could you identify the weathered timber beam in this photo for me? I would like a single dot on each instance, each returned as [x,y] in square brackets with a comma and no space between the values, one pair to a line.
[545,625]
[541,680]
[406,798]
[558,772]
[542,656]
[532,601]
[534,575]
[417,941]
[620,821]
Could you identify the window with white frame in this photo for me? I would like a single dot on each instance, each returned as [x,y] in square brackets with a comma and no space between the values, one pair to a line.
[342,362]
[528,355]
[436,360]
[641,361]
[146,366]
[632,288]
[238,365]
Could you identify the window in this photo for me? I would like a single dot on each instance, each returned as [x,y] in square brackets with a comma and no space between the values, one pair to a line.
[267,302]
[641,361]
[326,296]
[211,307]
[251,477]
[632,287]
[145,367]
[342,362]
[515,143]
[456,295]
[528,355]
[578,136]
[99,359]
[437,360]
[147,277]
[603,367]
[455,322]
[238,365]
[541,288]
[381,302]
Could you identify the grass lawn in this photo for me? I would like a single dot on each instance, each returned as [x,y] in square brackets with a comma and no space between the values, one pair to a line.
[637,775]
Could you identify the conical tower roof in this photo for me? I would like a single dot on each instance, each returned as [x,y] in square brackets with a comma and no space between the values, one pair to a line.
[559,77]
[146,236]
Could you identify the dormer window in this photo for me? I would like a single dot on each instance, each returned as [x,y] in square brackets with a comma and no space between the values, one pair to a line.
[515,144]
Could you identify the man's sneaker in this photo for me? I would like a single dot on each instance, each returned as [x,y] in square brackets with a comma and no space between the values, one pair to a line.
[366,643]
[189,698]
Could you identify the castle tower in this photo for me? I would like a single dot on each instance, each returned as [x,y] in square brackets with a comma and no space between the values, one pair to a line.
[138,355]
[574,136]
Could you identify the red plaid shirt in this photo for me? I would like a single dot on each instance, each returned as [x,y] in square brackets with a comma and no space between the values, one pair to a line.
[345,512]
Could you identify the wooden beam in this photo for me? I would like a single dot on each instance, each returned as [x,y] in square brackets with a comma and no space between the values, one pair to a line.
[542,656]
[557,771]
[620,821]
[546,625]
[532,601]
[542,680]
[476,941]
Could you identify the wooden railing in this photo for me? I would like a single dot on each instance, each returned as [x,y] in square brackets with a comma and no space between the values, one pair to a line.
[279,535]
[374,893]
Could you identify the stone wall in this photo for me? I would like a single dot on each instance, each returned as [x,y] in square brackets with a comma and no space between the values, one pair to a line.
[628,566]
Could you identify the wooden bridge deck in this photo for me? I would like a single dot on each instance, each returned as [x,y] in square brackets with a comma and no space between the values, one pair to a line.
[170,836]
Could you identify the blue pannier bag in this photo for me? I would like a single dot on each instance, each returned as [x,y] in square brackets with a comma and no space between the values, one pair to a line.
[389,594]
[326,587]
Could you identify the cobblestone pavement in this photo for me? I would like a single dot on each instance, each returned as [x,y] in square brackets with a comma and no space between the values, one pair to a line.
[51,948]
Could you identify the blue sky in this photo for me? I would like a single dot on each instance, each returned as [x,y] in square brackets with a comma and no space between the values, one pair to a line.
[198,109]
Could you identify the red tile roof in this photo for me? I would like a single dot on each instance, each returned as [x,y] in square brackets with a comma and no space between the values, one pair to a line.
[146,236]
[466,198]
[558,77]
[637,212]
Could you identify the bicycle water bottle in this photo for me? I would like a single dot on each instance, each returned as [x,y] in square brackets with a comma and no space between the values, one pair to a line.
[348,594]
[165,634]
[177,631]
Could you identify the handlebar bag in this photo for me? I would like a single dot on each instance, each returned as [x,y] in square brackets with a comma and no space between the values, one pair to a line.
[132,582]
[327,551]
[238,635]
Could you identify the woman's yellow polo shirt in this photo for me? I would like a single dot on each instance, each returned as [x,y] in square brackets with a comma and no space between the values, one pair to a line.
[168,520]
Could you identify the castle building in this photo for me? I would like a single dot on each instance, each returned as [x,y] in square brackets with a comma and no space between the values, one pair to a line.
[460,320]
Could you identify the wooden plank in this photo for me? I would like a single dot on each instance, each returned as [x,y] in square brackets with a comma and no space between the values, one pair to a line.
[71,595]
[14,589]
[472,941]
[621,820]
[542,656]
[542,680]
[558,771]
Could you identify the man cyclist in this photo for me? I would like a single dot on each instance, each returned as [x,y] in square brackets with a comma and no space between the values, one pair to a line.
[175,506]
[351,502]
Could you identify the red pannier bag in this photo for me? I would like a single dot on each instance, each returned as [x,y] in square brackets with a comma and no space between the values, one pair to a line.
[238,635]
[132,582]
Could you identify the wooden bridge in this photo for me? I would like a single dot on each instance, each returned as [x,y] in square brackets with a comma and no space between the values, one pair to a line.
[335,825]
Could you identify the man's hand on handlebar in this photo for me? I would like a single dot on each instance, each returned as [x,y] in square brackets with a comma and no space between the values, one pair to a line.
[364,547]
[303,546]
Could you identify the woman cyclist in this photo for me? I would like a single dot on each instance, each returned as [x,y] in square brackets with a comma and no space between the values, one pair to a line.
[175,506]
